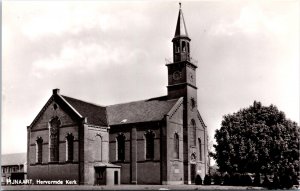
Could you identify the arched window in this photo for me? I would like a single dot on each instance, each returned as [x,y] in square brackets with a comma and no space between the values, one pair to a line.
[200,149]
[176,146]
[183,46]
[69,147]
[39,150]
[54,139]
[149,136]
[193,133]
[98,151]
[188,47]
[177,46]
[121,147]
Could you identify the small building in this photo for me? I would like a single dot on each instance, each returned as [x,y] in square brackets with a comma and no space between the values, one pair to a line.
[13,166]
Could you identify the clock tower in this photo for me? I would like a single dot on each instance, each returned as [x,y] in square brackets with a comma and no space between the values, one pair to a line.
[182,83]
[182,72]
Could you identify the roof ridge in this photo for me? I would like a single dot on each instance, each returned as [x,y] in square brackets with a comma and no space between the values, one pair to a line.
[149,99]
[83,101]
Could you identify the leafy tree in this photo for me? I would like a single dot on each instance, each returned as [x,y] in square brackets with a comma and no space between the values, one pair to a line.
[257,139]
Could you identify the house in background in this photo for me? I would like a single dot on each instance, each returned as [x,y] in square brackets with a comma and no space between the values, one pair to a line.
[13,166]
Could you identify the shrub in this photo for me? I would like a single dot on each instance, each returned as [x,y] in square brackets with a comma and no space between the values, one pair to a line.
[235,179]
[275,183]
[226,179]
[295,180]
[245,180]
[256,181]
[207,180]
[217,179]
[286,181]
[198,180]
[266,182]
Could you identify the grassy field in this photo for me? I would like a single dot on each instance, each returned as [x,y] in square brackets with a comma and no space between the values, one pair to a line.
[128,187]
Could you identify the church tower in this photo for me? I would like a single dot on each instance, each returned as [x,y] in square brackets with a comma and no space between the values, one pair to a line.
[182,83]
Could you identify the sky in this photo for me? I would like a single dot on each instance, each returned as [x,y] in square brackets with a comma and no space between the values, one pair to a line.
[114,52]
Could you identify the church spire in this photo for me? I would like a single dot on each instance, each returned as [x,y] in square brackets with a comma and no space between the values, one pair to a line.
[180,27]
[181,41]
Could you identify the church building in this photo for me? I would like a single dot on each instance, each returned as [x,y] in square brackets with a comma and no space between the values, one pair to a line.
[162,140]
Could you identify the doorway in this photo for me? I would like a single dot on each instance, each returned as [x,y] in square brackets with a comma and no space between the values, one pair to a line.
[193,173]
[116,178]
[100,176]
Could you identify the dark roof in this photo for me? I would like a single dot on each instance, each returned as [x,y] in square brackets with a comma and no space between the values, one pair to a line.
[95,114]
[180,27]
[13,159]
[139,111]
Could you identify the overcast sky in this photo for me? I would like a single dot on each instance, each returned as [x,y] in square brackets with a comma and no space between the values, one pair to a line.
[113,52]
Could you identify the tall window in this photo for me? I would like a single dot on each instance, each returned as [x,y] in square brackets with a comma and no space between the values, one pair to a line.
[121,147]
[98,151]
[69,147]
[177,46]
[193,133]
[54,139]
[183,46]
[200,149]
[39,150]
[176,146]
[149,145]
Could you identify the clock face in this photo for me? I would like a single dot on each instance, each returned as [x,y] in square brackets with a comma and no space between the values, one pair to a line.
[176,75]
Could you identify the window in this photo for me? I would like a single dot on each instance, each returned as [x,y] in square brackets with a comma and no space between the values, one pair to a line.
[183,46]
[121,147]
[193,103]
[149,145]
[177,47]
[69,147]
[200,149]
[176,146]
[53,141]
[193,133]
[188,47]
[98,151]
[39,150]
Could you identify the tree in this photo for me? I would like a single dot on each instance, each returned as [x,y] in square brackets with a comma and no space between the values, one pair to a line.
[257,139]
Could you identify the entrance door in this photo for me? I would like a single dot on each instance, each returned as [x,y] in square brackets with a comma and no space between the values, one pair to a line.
[193,173]
[100,176]
[116,177]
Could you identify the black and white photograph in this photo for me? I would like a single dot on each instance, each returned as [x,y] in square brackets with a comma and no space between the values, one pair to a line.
[150,95]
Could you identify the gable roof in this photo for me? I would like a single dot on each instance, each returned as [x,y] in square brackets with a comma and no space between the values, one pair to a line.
[95,114]
[139,111]
[13,159]
[153,109]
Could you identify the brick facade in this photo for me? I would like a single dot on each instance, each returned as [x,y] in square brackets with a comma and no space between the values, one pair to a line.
[175,153]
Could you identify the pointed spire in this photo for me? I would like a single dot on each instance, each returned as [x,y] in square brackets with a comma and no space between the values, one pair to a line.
[180,27]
